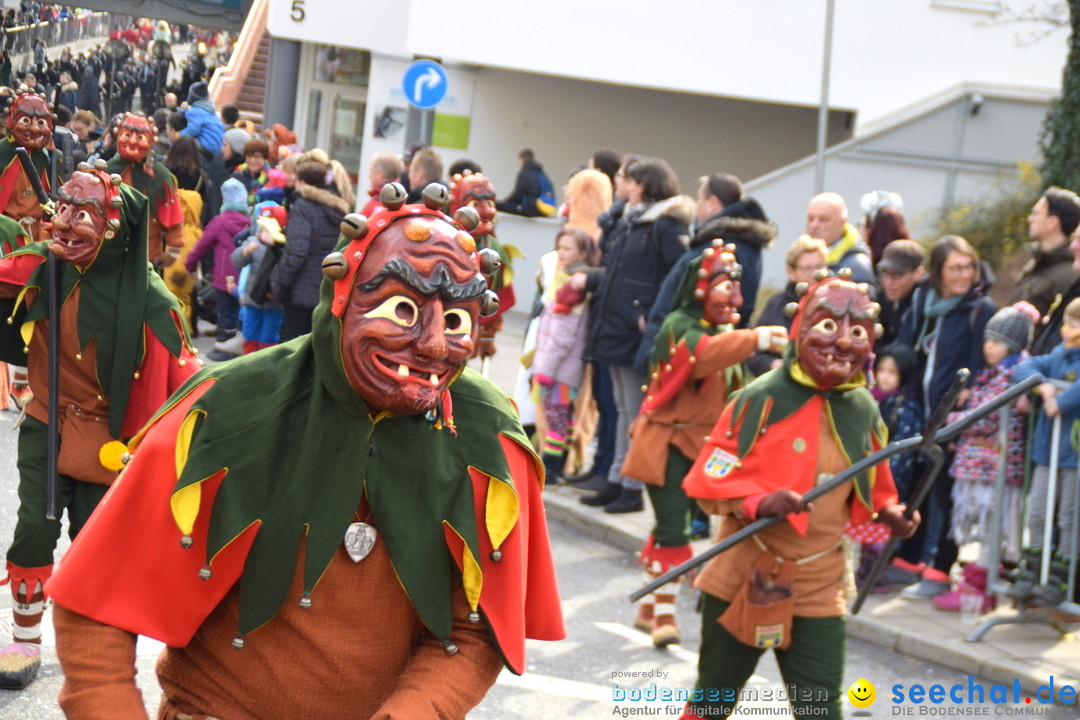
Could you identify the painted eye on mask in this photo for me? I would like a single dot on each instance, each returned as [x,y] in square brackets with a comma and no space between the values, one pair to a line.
[724,287]
[828,325]
[458,322]
[84,218]
[397,309]
[858,332]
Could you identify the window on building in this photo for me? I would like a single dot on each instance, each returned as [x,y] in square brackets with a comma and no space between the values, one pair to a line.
[346,66]
[986,6]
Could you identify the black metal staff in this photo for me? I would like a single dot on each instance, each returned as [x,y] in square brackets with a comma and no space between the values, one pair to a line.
[839,479]
[936,457]
[53,270]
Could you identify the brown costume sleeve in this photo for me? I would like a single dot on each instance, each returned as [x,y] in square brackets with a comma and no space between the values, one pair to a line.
[438,686]
[98,662]
[174,236]
[723,350]
[714,506]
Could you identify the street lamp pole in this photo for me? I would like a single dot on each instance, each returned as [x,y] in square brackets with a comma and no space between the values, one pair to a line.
[823,108]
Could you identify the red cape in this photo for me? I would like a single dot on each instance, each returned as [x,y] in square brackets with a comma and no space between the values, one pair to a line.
[152,585]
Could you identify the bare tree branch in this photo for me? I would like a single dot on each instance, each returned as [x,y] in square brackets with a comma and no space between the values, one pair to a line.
[1051,16]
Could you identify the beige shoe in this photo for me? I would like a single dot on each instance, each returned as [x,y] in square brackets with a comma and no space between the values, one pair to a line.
[666,634]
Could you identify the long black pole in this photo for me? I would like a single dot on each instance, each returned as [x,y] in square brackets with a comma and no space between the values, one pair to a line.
[53,269]
[54,386]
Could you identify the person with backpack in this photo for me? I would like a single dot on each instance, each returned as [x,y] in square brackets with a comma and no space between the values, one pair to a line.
[260,313]
[533,194]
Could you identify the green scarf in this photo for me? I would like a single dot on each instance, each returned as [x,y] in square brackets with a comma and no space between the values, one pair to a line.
[934,307]
[779,393]
[153,186]
[301,449]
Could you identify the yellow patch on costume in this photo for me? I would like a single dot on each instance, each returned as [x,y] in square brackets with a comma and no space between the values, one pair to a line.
[185,502]
[500,510]
[472,578]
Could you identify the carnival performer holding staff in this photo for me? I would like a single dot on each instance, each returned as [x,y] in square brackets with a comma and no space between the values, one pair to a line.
[780,436]
[353,509]
[123,349]
[696,361]
[29,126]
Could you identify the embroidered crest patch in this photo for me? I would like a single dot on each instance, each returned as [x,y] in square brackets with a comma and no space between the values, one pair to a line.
[767,636]
[720,463]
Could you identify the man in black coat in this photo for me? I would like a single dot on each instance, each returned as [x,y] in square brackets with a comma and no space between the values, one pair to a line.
[899,272]
[722,213]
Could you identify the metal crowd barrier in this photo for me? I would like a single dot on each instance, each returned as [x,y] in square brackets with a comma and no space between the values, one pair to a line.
[1029,609]
[21,38]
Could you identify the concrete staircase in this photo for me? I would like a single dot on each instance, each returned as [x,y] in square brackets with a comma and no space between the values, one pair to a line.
[253,90]
[243,81]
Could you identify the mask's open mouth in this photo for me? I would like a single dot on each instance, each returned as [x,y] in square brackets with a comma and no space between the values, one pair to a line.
[407,373]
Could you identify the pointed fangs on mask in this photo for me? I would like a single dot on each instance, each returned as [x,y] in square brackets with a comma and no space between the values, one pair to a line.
[403,371]
[434,379]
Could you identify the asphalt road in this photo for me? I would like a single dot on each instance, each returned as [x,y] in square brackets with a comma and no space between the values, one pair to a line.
[568,679]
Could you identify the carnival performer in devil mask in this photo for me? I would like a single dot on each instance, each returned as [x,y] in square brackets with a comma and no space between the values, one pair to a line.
[123,350]
[139,168]
[353,508]
[780,436]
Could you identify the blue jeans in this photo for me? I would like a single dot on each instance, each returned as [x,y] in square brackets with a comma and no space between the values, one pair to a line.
[261,324]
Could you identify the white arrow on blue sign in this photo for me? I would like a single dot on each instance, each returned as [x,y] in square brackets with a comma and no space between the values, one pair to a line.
[424,83]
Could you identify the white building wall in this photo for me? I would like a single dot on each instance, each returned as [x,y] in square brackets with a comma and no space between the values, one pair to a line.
[887,54]
[945,155]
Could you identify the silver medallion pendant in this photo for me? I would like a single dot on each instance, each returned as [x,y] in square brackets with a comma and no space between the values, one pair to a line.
[359,540]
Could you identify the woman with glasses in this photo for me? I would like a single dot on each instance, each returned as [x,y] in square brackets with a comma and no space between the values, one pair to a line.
[944,325]
[804,258]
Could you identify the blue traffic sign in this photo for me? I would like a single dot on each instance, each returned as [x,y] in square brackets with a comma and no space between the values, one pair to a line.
[424,83]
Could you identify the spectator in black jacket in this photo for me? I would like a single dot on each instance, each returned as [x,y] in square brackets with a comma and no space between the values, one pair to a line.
[425,168]
[646,242]
[527,188]
[723,213]
[312,231]
[899,272]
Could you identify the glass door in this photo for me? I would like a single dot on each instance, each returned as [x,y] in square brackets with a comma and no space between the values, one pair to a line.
[346,134]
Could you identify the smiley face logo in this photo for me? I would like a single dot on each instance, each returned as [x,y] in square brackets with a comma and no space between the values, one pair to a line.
[862,693]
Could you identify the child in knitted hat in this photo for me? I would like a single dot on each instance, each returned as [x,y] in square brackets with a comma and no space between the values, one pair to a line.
[1061,363]
[978,452]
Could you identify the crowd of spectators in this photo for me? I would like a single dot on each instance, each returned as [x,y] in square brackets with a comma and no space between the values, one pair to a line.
[937,315]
